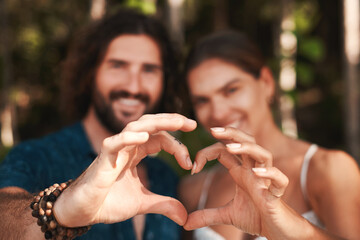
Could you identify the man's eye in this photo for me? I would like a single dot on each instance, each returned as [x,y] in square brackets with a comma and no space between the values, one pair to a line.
[199,101]
[118,65]
[149,69]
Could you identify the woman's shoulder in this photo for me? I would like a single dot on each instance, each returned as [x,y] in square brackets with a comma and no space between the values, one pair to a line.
[331,168]
[330,161]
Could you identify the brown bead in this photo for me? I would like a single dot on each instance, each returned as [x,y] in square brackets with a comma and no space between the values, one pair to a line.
[52,225]
[60,230]
[56,185]
[52,197]
[39,222]
[69,232]
[48,235]
[43,228]
[43,219]
[32,205]
[43,203]
[63,185]
[49,205]
[57,192]
[35,213]
[37,198]
[48,212]
[41,194]
[36,206]
[41,212]
[59,237]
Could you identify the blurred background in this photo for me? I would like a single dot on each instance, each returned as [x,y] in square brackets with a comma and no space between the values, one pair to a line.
[312,47]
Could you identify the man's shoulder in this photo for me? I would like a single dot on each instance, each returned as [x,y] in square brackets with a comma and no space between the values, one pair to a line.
[63,138]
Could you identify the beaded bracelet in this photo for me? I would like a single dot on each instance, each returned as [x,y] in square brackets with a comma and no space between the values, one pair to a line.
[42,206]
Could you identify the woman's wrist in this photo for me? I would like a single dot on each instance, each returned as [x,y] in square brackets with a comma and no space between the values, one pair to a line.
[284,223]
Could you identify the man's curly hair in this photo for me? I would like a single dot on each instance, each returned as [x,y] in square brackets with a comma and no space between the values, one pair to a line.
[90,47]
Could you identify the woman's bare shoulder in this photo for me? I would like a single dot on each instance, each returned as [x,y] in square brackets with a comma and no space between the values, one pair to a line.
[332,168]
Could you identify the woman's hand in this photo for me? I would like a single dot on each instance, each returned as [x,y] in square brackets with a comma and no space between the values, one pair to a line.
[110,190]
[259,186]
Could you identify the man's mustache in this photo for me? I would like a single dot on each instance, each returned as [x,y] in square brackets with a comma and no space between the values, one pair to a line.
[114,95]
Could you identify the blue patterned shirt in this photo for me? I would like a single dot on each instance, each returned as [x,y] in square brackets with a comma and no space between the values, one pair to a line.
[36,164]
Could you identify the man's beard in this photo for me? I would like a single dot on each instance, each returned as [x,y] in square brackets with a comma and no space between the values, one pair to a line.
[105,113]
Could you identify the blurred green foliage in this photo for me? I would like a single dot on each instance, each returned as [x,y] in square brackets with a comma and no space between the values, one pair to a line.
[147,7]
[40,32]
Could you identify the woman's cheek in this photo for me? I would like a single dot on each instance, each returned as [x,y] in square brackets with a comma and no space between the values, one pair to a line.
[243,100]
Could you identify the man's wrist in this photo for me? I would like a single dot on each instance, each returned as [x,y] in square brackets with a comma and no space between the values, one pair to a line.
[44,210]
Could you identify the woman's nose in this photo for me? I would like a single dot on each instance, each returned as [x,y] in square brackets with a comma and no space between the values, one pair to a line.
[220,111]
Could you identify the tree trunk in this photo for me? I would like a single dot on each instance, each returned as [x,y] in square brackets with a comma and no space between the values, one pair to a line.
[176,23]
[351,75]
[287,75]
[7,109]
[97,9]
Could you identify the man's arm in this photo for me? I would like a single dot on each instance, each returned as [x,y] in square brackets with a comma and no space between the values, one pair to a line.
[16,221]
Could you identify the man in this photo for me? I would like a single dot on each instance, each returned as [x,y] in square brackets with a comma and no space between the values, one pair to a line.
[122,68]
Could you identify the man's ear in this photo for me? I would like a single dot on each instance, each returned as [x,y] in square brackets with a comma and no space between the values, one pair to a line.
[266,77]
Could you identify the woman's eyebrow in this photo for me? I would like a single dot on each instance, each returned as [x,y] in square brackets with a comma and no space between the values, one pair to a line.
[226,85]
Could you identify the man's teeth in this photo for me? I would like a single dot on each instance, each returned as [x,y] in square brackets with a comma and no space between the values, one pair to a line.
[129,102]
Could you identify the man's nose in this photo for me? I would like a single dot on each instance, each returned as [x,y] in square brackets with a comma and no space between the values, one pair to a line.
[134,83]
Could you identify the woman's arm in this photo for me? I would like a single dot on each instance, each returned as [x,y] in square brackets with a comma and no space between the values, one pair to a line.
[334,192]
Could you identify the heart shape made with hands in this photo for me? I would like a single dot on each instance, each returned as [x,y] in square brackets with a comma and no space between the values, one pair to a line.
[111,185]
[239,154]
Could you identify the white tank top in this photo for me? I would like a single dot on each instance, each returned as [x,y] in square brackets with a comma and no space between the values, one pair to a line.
[206,233]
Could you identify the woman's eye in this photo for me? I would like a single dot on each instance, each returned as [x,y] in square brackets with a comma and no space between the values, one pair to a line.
[231,90]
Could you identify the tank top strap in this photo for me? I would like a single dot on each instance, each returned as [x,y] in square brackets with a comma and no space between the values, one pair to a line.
[206,186]
[305,167]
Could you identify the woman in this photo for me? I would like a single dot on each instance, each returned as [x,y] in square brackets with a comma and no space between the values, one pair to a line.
[230,86]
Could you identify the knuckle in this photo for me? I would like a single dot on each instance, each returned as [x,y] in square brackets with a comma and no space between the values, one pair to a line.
[106,144]
[130,125]
[286,180]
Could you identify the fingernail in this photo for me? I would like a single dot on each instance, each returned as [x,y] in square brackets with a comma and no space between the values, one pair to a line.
[193,168]
[217,129]
[259,170]
[188,162]
[190,121]
[233,145]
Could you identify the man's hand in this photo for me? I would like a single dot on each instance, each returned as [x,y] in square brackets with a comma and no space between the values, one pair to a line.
[110,190]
